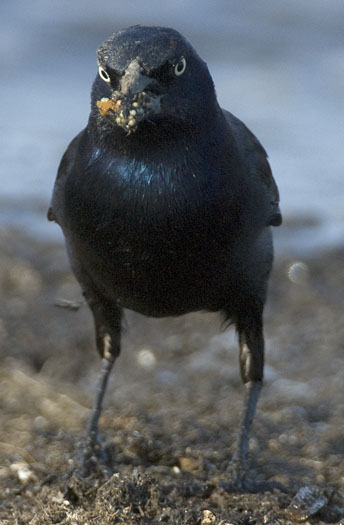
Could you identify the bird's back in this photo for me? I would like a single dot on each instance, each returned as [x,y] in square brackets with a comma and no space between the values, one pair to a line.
[256,167]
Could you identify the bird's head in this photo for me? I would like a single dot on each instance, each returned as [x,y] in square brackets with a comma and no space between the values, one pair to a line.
[151,76]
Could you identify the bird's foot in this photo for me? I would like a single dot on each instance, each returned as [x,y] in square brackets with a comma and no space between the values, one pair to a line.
[91,458]
[237,480]
[236,472]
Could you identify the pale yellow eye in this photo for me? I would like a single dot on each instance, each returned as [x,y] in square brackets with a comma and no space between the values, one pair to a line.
[180,67]
[104,75]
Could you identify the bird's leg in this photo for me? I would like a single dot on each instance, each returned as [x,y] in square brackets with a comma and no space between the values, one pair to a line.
[239,460]
[251,344]
[107,319]
[95,444]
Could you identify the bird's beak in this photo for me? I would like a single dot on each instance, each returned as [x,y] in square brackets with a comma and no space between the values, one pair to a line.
[131,104]
[133,81]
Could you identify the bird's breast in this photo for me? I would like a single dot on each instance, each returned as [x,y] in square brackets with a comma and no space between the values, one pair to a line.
[123,196]
[152,233]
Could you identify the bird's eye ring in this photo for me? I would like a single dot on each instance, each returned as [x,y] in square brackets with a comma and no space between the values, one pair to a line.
[104,75]
[180,67]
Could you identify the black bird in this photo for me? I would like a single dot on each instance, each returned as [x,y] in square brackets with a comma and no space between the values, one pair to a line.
[166,202]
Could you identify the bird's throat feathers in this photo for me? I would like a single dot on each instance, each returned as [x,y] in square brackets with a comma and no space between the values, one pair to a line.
[157,172]
[152,159]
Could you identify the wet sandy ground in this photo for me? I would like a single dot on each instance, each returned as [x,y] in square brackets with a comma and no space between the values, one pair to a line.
[173,404]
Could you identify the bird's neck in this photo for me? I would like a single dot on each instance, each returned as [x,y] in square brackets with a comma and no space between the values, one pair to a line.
[162,156]
[157,141]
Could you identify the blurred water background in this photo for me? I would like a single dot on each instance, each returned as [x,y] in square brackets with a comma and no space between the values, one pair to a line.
[277,65]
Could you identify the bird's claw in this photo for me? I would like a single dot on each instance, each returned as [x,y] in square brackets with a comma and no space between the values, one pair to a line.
[237,480]
[92,457]
[235,476]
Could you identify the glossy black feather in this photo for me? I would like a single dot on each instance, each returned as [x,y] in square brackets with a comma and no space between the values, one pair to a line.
[166,203]
[172,235]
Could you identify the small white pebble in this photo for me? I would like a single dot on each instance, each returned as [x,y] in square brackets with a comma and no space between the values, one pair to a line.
[60,501]
[58,498]
[135,104]
[208,518]
[23,471]
[146,358]
[104,99]
[132,122]
[132,112]
[175,469]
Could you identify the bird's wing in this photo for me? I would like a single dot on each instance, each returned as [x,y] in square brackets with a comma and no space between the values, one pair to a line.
[255,157]
[66,165]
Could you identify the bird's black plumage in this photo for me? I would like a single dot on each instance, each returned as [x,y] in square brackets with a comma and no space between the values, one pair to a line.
[166,200]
